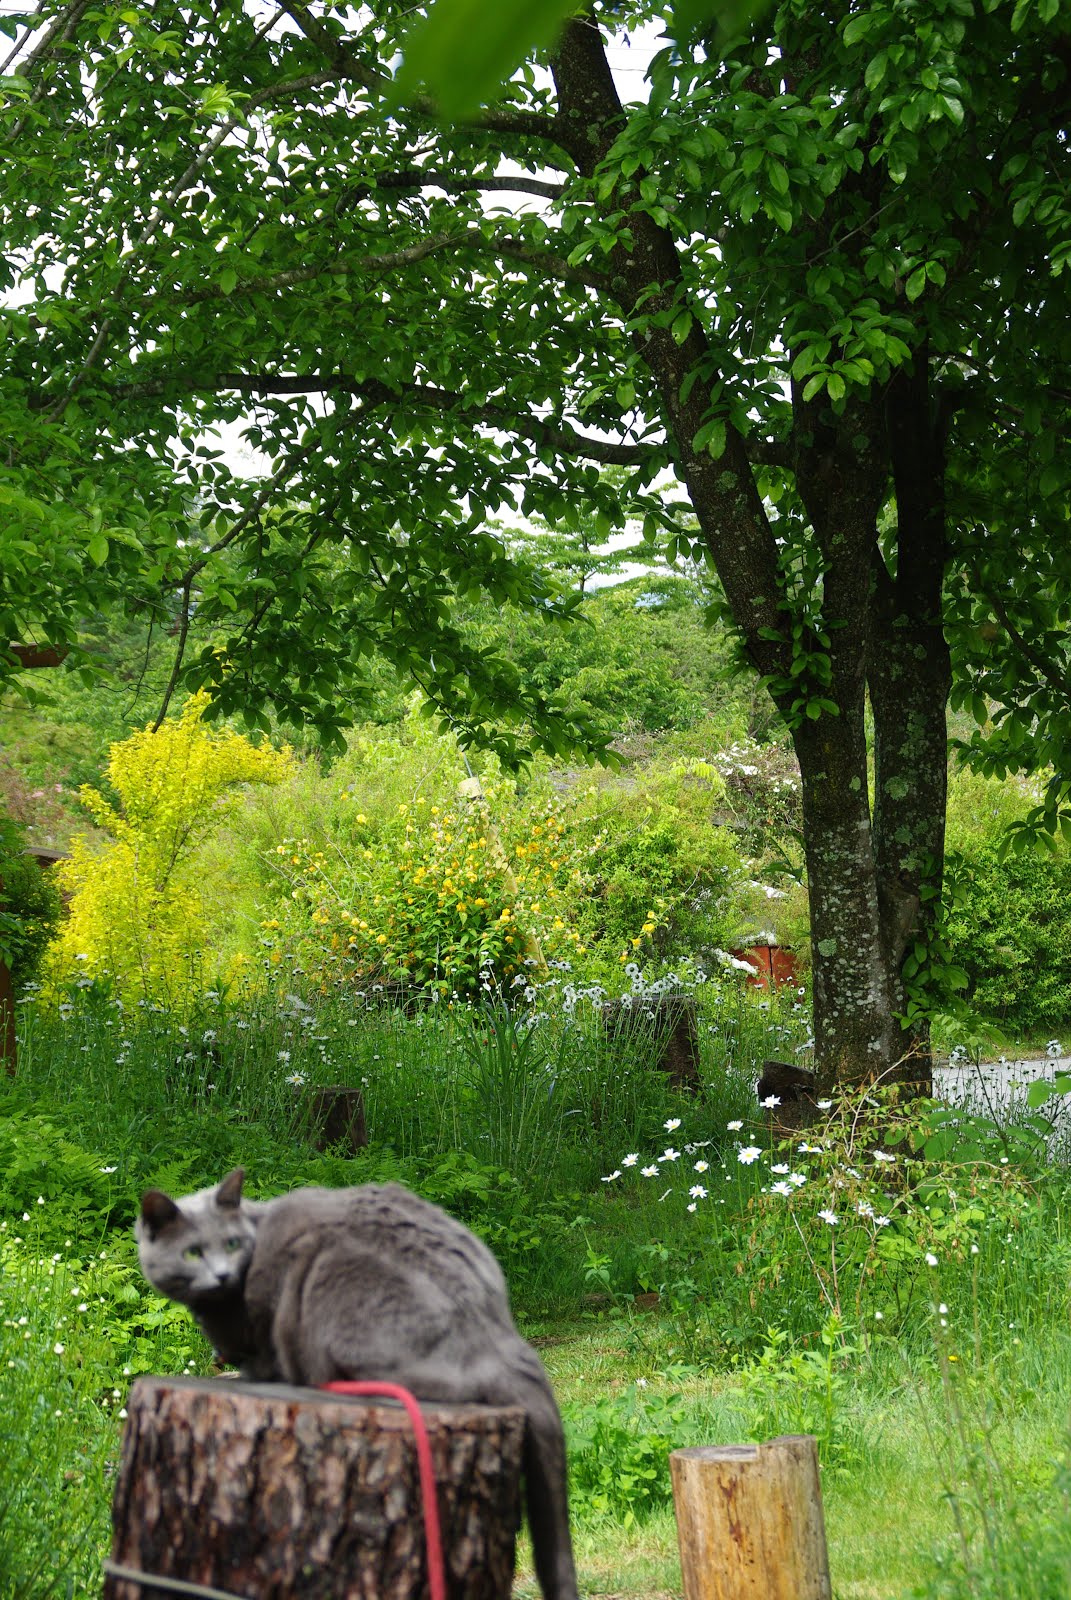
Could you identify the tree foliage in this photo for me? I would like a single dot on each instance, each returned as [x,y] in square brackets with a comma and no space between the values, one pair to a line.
[816,269]
[137,921]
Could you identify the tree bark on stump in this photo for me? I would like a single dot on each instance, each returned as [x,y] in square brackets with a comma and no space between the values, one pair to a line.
[334,1116]
[269,1492]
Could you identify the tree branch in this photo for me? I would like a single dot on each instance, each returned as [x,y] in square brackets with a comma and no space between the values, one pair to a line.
[650,287]
[282,475]
[61,29]
[1058,681]
[339,267]
[389,261]
[180,651]
[531,124]
[566,440]
[560,437]
[427,178]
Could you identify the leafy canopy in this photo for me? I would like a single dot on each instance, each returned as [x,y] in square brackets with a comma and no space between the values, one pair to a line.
[217,217]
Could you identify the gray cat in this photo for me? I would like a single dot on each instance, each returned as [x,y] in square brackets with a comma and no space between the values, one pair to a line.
[372,1283]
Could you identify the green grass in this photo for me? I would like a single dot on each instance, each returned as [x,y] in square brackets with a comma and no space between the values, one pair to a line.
[748,1317]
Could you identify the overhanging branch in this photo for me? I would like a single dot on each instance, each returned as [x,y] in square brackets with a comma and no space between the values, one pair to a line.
[531,124]
[430,178]
[410,397]
[340,266]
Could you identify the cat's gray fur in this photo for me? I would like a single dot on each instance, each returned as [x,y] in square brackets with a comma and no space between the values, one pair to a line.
[370,1282]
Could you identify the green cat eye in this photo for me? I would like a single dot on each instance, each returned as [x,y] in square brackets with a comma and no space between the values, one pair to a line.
[234,1244]
[194,1253]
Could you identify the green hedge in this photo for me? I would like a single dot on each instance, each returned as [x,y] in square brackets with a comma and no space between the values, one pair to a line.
[1010,931]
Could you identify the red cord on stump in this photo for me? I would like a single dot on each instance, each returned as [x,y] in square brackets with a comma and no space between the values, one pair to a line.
[429,1504]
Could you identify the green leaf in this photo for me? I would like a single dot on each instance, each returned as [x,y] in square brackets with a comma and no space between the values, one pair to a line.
[778,177]
[463,51]
[859,26]
[916,283]
[682,326]
[228,280]
[98,549]
[875,71]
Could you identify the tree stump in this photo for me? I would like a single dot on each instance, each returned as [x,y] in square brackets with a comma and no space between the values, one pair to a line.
[9,1050]
[335,1116]
[669,1021]
[269,1492]
[749,1521]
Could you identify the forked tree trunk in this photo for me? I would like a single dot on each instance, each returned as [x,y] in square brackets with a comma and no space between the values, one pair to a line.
[267,1491]
[816,621]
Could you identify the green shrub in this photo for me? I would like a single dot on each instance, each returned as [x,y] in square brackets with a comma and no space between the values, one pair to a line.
[660,868]
[619,1454]
[29,903]
[1009,928]
[75,1325]
[794,1390]
[46,1175]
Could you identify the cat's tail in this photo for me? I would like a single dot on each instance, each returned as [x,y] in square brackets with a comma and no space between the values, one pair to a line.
[544,1472]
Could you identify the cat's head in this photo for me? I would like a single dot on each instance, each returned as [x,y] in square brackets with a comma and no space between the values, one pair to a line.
[197,1250]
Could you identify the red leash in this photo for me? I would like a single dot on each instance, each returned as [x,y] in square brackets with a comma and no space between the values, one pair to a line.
[432,1536]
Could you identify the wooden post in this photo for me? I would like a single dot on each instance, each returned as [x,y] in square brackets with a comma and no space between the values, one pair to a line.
[334,1116]
[9,1056]
[749,1521]
[670,1021]
[265,1491]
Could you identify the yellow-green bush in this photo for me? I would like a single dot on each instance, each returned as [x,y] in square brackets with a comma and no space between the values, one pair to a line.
[663,874]
[434,896]
[137,915]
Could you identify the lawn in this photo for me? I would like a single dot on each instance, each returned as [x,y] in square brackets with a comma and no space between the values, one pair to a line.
[672,1257]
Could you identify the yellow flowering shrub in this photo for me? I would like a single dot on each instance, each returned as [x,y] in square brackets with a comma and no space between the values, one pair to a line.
[433,898]
[137,917]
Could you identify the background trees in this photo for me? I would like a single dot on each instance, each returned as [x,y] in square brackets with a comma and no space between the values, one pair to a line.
[817,273]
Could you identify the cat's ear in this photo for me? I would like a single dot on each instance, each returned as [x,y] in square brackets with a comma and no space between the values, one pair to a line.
[229,1193]
[157,1210]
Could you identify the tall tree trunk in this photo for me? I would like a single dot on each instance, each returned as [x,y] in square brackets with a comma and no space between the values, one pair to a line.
[842,483]
[909,679]
[865,887]
[855,1036]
